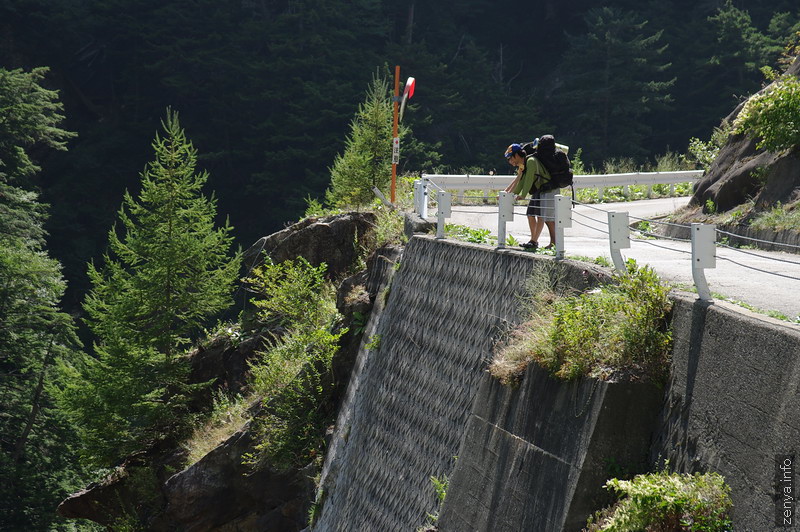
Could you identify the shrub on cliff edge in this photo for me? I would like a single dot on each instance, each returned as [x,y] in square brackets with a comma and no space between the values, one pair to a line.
[666,501]
[620,328]
[773,116]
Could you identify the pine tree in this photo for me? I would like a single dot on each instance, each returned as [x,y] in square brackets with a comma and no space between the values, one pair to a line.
[37,446]
[367,158]
[167,271]
[614,79]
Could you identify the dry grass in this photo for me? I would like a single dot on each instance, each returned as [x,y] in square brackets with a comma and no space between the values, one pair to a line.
[229,416]
[529,341]
[521,346]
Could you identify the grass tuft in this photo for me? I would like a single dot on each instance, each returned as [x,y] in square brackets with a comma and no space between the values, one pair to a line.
[228,416]
[619,330]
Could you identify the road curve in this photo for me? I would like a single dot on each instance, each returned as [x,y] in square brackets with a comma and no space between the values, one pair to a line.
[769,281]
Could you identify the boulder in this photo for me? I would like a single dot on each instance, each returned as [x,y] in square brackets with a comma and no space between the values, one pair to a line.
[742,172]
[225,363]
[335,240]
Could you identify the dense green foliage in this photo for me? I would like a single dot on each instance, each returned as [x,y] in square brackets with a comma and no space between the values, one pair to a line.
[165,274]
[615,77]
[667,501]
[773,116]
[290,377]
[37,462]
[30,117]
[268,89]
[617,329]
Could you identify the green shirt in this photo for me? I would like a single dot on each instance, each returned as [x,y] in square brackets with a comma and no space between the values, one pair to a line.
[534,176]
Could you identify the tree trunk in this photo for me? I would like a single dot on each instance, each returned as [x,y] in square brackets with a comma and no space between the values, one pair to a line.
[35,406]
[410,24]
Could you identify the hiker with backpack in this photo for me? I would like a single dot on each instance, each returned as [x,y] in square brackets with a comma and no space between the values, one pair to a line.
[532,177]
[543,169]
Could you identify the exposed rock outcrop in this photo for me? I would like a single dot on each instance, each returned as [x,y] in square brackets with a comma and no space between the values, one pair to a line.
[335,240]
[221,493]
[742,171]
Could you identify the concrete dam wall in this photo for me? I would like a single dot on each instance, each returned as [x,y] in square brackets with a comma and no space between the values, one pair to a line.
[535,457]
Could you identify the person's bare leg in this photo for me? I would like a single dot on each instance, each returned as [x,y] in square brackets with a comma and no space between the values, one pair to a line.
[536,227]
[532,226]
[551,228]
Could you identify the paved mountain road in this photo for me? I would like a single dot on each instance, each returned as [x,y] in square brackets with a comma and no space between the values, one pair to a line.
[776,287]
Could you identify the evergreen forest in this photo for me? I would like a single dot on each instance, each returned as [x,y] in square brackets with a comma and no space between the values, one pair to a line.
[124,123]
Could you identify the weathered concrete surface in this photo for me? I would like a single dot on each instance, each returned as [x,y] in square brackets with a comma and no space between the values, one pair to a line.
[414,392]
[535,458]
[732,403]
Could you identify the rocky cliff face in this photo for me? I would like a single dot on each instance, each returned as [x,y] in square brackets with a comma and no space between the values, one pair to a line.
[741,171]
[155,490]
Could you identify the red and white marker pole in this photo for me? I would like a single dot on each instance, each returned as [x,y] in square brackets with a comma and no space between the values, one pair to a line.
[408,92]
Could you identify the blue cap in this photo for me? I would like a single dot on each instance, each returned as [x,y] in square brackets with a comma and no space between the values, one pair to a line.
[513,149]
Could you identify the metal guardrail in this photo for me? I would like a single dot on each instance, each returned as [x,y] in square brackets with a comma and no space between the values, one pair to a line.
[489,183]
[500,182]
[703,235]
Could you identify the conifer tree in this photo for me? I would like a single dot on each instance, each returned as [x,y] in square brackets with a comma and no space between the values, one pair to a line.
[167,270]
[367,158]
[614,79]
[37,446]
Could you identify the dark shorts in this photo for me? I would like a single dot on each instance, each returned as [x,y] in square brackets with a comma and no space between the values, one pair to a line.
[542,204]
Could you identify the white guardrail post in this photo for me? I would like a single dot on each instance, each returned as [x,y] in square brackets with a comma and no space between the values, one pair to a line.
[704,255]
[619,237]
[421,197]
[444,201]
[563,216]
[505,213]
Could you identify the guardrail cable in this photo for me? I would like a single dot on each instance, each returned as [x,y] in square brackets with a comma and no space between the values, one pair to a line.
[604,222]
[651,243]
[475,212]
[656,235]
[576,202]
[434,185]
[590,227]
[757,239]
[760,269]
[746,252]
[658,222]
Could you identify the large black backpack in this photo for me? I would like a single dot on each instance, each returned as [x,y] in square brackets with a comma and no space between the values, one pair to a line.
[556,162]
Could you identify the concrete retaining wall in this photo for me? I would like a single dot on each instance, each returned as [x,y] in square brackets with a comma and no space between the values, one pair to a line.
[447,303]
[536,457]
[731,406]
